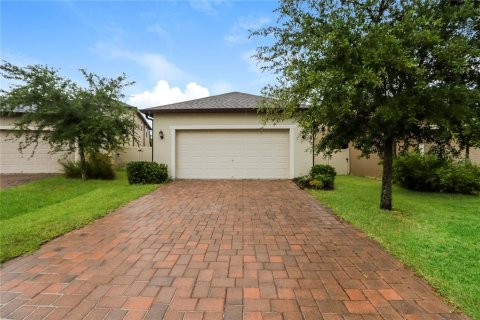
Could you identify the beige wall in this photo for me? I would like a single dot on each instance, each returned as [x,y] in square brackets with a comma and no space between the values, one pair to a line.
[364,167]
[143,133]
[475,155]
[130,154]
[164,122]
[14,161]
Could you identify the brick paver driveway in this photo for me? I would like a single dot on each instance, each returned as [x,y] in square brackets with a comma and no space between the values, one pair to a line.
[213,250]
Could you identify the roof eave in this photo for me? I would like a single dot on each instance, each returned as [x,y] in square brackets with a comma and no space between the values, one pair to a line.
[211,110]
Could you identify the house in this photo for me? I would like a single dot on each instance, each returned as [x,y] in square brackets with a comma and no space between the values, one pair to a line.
[12,161]
[140,151]
[222,137]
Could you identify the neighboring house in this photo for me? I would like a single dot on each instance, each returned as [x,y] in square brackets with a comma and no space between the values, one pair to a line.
[12,161]
[371,167]
[141,151]
[222,137]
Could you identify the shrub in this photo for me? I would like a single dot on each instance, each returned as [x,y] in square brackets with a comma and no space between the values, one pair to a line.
[71,169]
[323,181]
[460,178]
[302,181]
[143,172]
[418,172]
[431,173]
[322,169]
[98,166]
[320,177]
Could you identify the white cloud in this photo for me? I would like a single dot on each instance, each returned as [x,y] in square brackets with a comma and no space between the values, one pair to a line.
[156,64]
[240,31]
[162,94]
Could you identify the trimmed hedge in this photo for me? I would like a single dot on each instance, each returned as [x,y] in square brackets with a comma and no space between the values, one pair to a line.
[143,172]
[430,173]
[321,177]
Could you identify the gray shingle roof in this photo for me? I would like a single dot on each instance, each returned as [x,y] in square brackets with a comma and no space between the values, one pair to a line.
[228,102]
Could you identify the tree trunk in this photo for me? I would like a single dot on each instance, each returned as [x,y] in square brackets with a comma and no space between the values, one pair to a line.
[467,152]
[83,165]
[386,197]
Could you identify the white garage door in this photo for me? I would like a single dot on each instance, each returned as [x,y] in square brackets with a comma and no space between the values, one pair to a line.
[232,154]
[12,161]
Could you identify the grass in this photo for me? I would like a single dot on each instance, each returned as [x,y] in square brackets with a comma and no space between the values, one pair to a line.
[36,212]
[437,235]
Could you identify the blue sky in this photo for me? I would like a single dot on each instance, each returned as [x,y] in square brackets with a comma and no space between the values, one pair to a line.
[173,50]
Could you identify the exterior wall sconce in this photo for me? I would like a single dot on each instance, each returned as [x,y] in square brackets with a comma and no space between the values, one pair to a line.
[161,134]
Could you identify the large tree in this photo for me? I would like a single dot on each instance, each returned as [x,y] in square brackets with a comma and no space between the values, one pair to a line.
[71,118]
[373,73]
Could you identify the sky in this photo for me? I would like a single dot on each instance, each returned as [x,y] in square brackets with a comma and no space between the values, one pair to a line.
[173,50]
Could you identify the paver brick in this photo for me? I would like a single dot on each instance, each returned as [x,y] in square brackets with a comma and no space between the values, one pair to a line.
[244,249]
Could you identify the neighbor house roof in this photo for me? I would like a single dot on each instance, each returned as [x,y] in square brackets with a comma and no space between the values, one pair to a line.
[25,109]
[228,102]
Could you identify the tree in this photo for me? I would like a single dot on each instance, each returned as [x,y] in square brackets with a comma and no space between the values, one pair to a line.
[69,117]
[373,73]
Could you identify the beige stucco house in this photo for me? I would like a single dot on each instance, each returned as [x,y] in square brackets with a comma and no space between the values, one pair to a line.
[222,137]
[43,161]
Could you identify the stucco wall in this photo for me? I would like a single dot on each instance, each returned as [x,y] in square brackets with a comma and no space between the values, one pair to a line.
[164,122]
[364,167]
[130,154]
[14,161]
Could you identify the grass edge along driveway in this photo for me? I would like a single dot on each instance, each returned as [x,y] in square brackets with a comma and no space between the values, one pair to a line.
[437,235]
[33,213]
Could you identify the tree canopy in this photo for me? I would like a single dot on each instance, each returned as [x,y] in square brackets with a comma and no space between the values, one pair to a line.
[374,73]
[69,117]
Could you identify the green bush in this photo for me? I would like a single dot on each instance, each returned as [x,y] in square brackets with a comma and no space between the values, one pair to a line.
[98,166]
[322,169]
[302,181]
[320,177]
[460,178]
[430,173]
[71,169]
[143,172]
[418,172]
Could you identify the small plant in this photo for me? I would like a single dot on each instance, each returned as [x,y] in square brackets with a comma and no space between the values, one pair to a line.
[143,172]
[321,177]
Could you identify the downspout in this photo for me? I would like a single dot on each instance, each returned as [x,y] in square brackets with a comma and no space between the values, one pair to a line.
[147,115]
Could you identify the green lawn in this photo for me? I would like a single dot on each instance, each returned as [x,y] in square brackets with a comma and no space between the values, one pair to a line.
[438,235]
[36,212]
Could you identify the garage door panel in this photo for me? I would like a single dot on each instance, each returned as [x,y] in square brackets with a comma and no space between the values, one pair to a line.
[232,154]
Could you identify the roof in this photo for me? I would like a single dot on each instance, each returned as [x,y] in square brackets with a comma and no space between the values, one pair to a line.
[227,102]
[25,109]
